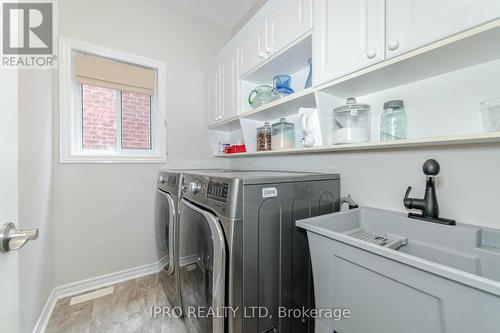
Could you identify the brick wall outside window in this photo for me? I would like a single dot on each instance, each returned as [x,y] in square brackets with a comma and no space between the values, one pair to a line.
[136,121]
[99,119]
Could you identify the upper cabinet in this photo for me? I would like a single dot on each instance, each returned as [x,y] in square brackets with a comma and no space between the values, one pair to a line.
[293,19]
[229,85]
[223,89]
[282,27]
[252,50]
[348,35]
[415,23]
[213,95]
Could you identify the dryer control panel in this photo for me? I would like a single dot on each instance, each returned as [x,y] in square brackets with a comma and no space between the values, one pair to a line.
[217,191]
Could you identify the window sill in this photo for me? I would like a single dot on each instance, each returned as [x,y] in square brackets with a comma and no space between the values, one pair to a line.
[88,159]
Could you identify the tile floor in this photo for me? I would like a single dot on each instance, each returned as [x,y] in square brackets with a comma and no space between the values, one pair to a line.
[127,310]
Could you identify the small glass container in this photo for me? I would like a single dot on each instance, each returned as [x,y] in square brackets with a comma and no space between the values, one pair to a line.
[264,137]
[490,111]
[393,122]
[351,123]
[283,135]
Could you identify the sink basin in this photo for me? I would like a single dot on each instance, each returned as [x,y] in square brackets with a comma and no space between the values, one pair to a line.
[398,274]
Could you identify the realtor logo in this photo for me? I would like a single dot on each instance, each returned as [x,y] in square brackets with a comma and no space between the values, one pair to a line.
[28,34]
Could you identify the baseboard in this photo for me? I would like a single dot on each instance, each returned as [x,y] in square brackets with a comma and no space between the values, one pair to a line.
[97,282]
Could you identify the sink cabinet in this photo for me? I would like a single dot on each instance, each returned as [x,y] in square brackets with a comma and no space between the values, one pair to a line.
[397,274]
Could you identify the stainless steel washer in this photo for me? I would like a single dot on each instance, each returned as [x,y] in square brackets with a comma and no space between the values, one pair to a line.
[168,194]
[242,248]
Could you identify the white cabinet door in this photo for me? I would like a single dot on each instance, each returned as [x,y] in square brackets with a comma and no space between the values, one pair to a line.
[252,50]
[415,23]
[289,22]
[229,85]
[213,95]
[348,35]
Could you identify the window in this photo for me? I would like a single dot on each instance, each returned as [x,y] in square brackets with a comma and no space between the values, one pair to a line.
[112,106]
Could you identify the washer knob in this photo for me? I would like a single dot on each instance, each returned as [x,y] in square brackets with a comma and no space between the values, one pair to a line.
[194,187]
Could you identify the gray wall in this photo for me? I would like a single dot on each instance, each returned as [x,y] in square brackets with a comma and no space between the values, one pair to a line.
[468,186]
[36,259]
[104,212]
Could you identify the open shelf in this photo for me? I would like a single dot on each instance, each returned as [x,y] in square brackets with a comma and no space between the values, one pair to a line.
[230,124]
[453,140]
[432,60]
[283,107]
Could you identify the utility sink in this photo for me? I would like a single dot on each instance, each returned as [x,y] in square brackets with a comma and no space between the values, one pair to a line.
[398,274]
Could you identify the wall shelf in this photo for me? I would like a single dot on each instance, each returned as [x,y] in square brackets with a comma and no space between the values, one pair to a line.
[453,140]
[283,107]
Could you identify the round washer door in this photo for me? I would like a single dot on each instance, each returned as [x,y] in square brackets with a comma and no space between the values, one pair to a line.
[165,215]
[203,267]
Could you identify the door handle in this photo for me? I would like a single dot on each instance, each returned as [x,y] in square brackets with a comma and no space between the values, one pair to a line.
[13,239]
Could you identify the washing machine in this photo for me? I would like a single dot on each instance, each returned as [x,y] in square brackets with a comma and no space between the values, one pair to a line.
[243,250]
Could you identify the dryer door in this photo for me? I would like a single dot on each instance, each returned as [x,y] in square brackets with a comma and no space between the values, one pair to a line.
[165,215]
[203,268]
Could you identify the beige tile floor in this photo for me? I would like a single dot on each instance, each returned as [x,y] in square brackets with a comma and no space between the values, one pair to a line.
[127,310]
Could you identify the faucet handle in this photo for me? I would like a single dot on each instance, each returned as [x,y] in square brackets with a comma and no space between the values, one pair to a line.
[407,200]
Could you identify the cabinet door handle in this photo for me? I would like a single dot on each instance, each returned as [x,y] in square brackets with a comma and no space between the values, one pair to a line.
[393,45]
[262,55]
[372,53]
[268,50]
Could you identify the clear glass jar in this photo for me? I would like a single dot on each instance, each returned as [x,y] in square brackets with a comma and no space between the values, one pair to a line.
[351,123]
[393,122]
[264,137]
[283,135]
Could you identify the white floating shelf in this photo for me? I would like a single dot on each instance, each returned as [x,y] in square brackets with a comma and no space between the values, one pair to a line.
[459,51]
[230,124]
[283,107]
[469,139]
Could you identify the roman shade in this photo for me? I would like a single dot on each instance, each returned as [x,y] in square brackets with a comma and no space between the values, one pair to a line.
[114,75]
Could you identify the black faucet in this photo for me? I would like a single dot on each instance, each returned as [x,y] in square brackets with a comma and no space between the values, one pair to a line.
[429,204]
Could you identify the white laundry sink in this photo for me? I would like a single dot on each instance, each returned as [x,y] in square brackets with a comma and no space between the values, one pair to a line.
[397,274]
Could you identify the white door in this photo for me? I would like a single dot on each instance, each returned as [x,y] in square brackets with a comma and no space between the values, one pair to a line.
[9,262]
[415,23]
[229,85]
[349,35]
[252,50]
[293,19]
[213,83]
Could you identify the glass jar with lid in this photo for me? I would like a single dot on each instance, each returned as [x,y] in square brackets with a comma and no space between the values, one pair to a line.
[283,135]
[393,121]
[264,137]
[351,123]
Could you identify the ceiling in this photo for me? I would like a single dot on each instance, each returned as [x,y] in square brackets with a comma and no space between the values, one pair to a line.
[224,13]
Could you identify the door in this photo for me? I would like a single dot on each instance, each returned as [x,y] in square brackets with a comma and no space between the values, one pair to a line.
[229,85]
[292,20]
[415,23]
[213,83]
[203,266]
[9,262]
[252,50]
[349,35]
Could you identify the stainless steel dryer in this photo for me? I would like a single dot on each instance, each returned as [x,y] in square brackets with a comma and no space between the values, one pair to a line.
[243,249]
[168,194]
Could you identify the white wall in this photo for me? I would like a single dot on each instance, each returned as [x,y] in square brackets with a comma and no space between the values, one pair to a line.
[468,186]
[36,259]
[104,213]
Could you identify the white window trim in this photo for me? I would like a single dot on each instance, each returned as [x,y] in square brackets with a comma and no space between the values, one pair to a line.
[70,133]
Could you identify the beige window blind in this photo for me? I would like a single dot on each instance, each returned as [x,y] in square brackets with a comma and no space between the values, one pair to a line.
[114,75]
